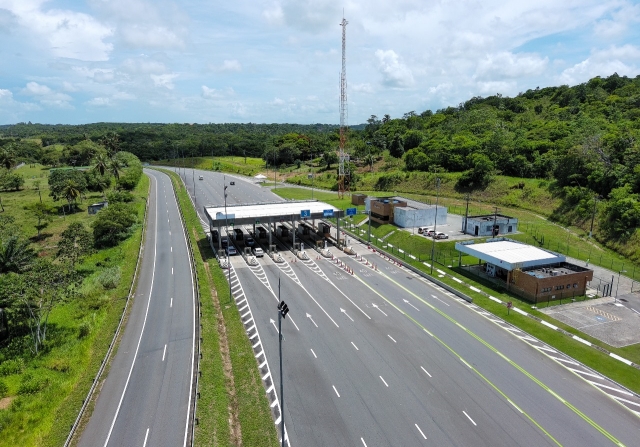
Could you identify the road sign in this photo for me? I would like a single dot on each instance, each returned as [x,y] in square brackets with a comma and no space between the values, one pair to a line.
[327,213]
[305,213]
[257,222]
[352,211]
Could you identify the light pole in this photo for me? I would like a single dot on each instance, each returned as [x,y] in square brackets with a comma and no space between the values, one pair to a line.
[283,309]
[369,240]
[615,299]
[435,223]
[226,218]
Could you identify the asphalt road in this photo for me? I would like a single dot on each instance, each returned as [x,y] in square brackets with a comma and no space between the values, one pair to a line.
[145,398]
[381,357]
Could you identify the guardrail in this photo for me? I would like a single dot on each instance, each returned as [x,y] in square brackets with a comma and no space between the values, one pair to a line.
[96,379]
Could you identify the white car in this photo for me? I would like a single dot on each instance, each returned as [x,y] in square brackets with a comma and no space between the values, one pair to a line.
[201,177]
[257,252]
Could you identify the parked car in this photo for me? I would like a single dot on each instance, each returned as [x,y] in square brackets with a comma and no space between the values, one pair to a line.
[429,233]
[441,236]
[224,243]
[258,252]
[231,250]
[249,241]
[201,177]
[423,230]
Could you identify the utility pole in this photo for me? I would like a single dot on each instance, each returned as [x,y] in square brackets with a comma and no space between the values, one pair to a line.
[226,218]
[344,180]
[283,309]
[435,223]
[466,215]
[495,219]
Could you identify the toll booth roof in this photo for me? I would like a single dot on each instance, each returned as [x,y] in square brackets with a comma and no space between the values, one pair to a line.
[249,213]
[510,254]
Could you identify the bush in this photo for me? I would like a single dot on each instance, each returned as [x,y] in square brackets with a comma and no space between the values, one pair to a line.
[84,329]
[32,385]
[113,224]
[119,197]
[110,278]
[4,389]
[10,367]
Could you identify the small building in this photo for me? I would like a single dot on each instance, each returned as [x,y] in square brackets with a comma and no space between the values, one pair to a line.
[405,213]
[490,225]
[358,199]
[94,208]
[533,273]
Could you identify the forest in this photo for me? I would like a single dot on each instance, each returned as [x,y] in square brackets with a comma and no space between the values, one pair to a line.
[582,138]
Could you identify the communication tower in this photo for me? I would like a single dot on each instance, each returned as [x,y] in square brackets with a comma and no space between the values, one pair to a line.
[344,180]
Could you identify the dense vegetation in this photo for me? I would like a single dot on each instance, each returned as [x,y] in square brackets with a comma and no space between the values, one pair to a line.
[583,139]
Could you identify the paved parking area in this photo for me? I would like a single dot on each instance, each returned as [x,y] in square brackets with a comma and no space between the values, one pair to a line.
[602,318]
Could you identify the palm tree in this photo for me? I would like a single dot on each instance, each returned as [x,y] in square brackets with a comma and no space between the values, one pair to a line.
[102,163]
[70,192]
[115,167]
[7,156]
[111,142]
[15,255]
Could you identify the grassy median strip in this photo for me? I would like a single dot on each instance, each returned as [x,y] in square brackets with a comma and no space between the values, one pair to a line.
[233,408]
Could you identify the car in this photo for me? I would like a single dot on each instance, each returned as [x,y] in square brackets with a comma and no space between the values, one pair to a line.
[215,235]
[231,250]
[423,230]
[440,236]
[201,177]
[232,183]
[258,252]
[249,241]
[224,243]
[428,233]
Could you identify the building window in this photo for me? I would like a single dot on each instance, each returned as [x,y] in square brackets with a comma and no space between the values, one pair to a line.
[575,285]
[509,229]
[546,289]
[489,227]
[559,287]
[568,286]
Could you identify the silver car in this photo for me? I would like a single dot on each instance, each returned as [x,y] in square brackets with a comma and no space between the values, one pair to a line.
[257,252]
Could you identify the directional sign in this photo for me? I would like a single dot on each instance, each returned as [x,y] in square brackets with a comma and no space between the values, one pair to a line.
[257,222]
[327,213]
[352,211]
[305,213]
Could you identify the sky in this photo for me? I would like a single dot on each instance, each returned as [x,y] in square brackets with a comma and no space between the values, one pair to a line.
[279,61]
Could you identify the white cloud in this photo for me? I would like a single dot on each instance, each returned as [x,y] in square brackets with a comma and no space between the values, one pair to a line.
[150,36]
[394,73]
[164,80]
[362,88]
[619,22]
[508,65]
[64,33]
[277,102]
[99,102]
[212,93]
[47,96]
[624,60]
[309,16]
[143,65]
[229,66]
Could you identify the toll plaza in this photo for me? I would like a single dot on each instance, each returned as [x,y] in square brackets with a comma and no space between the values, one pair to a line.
[269,215]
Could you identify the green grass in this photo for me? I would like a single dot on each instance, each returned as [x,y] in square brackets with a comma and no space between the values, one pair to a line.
[237,165]
[246,396]
[67,367]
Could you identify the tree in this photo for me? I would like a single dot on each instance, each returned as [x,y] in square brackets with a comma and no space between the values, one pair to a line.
[7,156]
[111,142]
[101,163]
[115,167]
[71,192]
[58,182]
[330,157]
[480,175]
[397,147]
[16,255]
[37,293]
[75,243]
[42,212]
[10,180]
[112,225]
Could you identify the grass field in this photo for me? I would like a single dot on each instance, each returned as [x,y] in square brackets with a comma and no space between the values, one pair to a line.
[233,408]
[47,391]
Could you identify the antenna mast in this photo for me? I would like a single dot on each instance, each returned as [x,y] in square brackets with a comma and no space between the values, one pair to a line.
[343,178]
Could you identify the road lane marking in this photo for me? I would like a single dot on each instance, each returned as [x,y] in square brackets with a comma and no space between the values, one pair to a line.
[146,436]
[363,443]
[517,407]
[171,303]
[171,249]
[334,389]
[309,317]
[164,352]
[314,354]
[420,431]
[144,323]
[354,345]
[472,421]
[409,303]
[391,338]
[610,388]
[345,312]
[384,381]
[427,372]
[378,307]
[172,270]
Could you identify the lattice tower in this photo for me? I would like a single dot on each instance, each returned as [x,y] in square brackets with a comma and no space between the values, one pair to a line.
[344,181]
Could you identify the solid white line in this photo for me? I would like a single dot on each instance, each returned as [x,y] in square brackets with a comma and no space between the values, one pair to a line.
[171,249]
[171,303]
[391,338]
[355,346]
[625,400]
[384,381]
[144,323]
[334,389]
[583,372]
[363,443]
[472,421]
[462,360]
[517,407]
[610,388]
[172,270]
[146,436]
[314,354]
[420,431]
[426,371]
[164,352]
[564,360]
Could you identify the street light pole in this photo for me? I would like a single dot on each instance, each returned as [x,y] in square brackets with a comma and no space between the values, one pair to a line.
[435,223]
[283,309]
[226,218]
[369,240]
[615,299]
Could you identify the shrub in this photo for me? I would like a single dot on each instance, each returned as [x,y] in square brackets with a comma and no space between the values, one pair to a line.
[113,224]
[119,196]
[84,329]
[11,367]
[4,389]
[32,385]
[110,278]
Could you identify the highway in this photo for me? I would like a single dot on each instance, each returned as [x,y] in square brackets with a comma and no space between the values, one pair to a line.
[146,397]
[382,357]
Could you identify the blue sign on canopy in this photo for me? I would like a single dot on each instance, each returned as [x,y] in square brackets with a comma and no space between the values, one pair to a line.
[327,213]
[352,211]
[305,213]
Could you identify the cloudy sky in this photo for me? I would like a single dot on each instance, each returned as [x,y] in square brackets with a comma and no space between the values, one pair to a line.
[274,61]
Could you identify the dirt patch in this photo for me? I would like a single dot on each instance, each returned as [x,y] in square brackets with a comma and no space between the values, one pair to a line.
[5,402]
[234,420]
